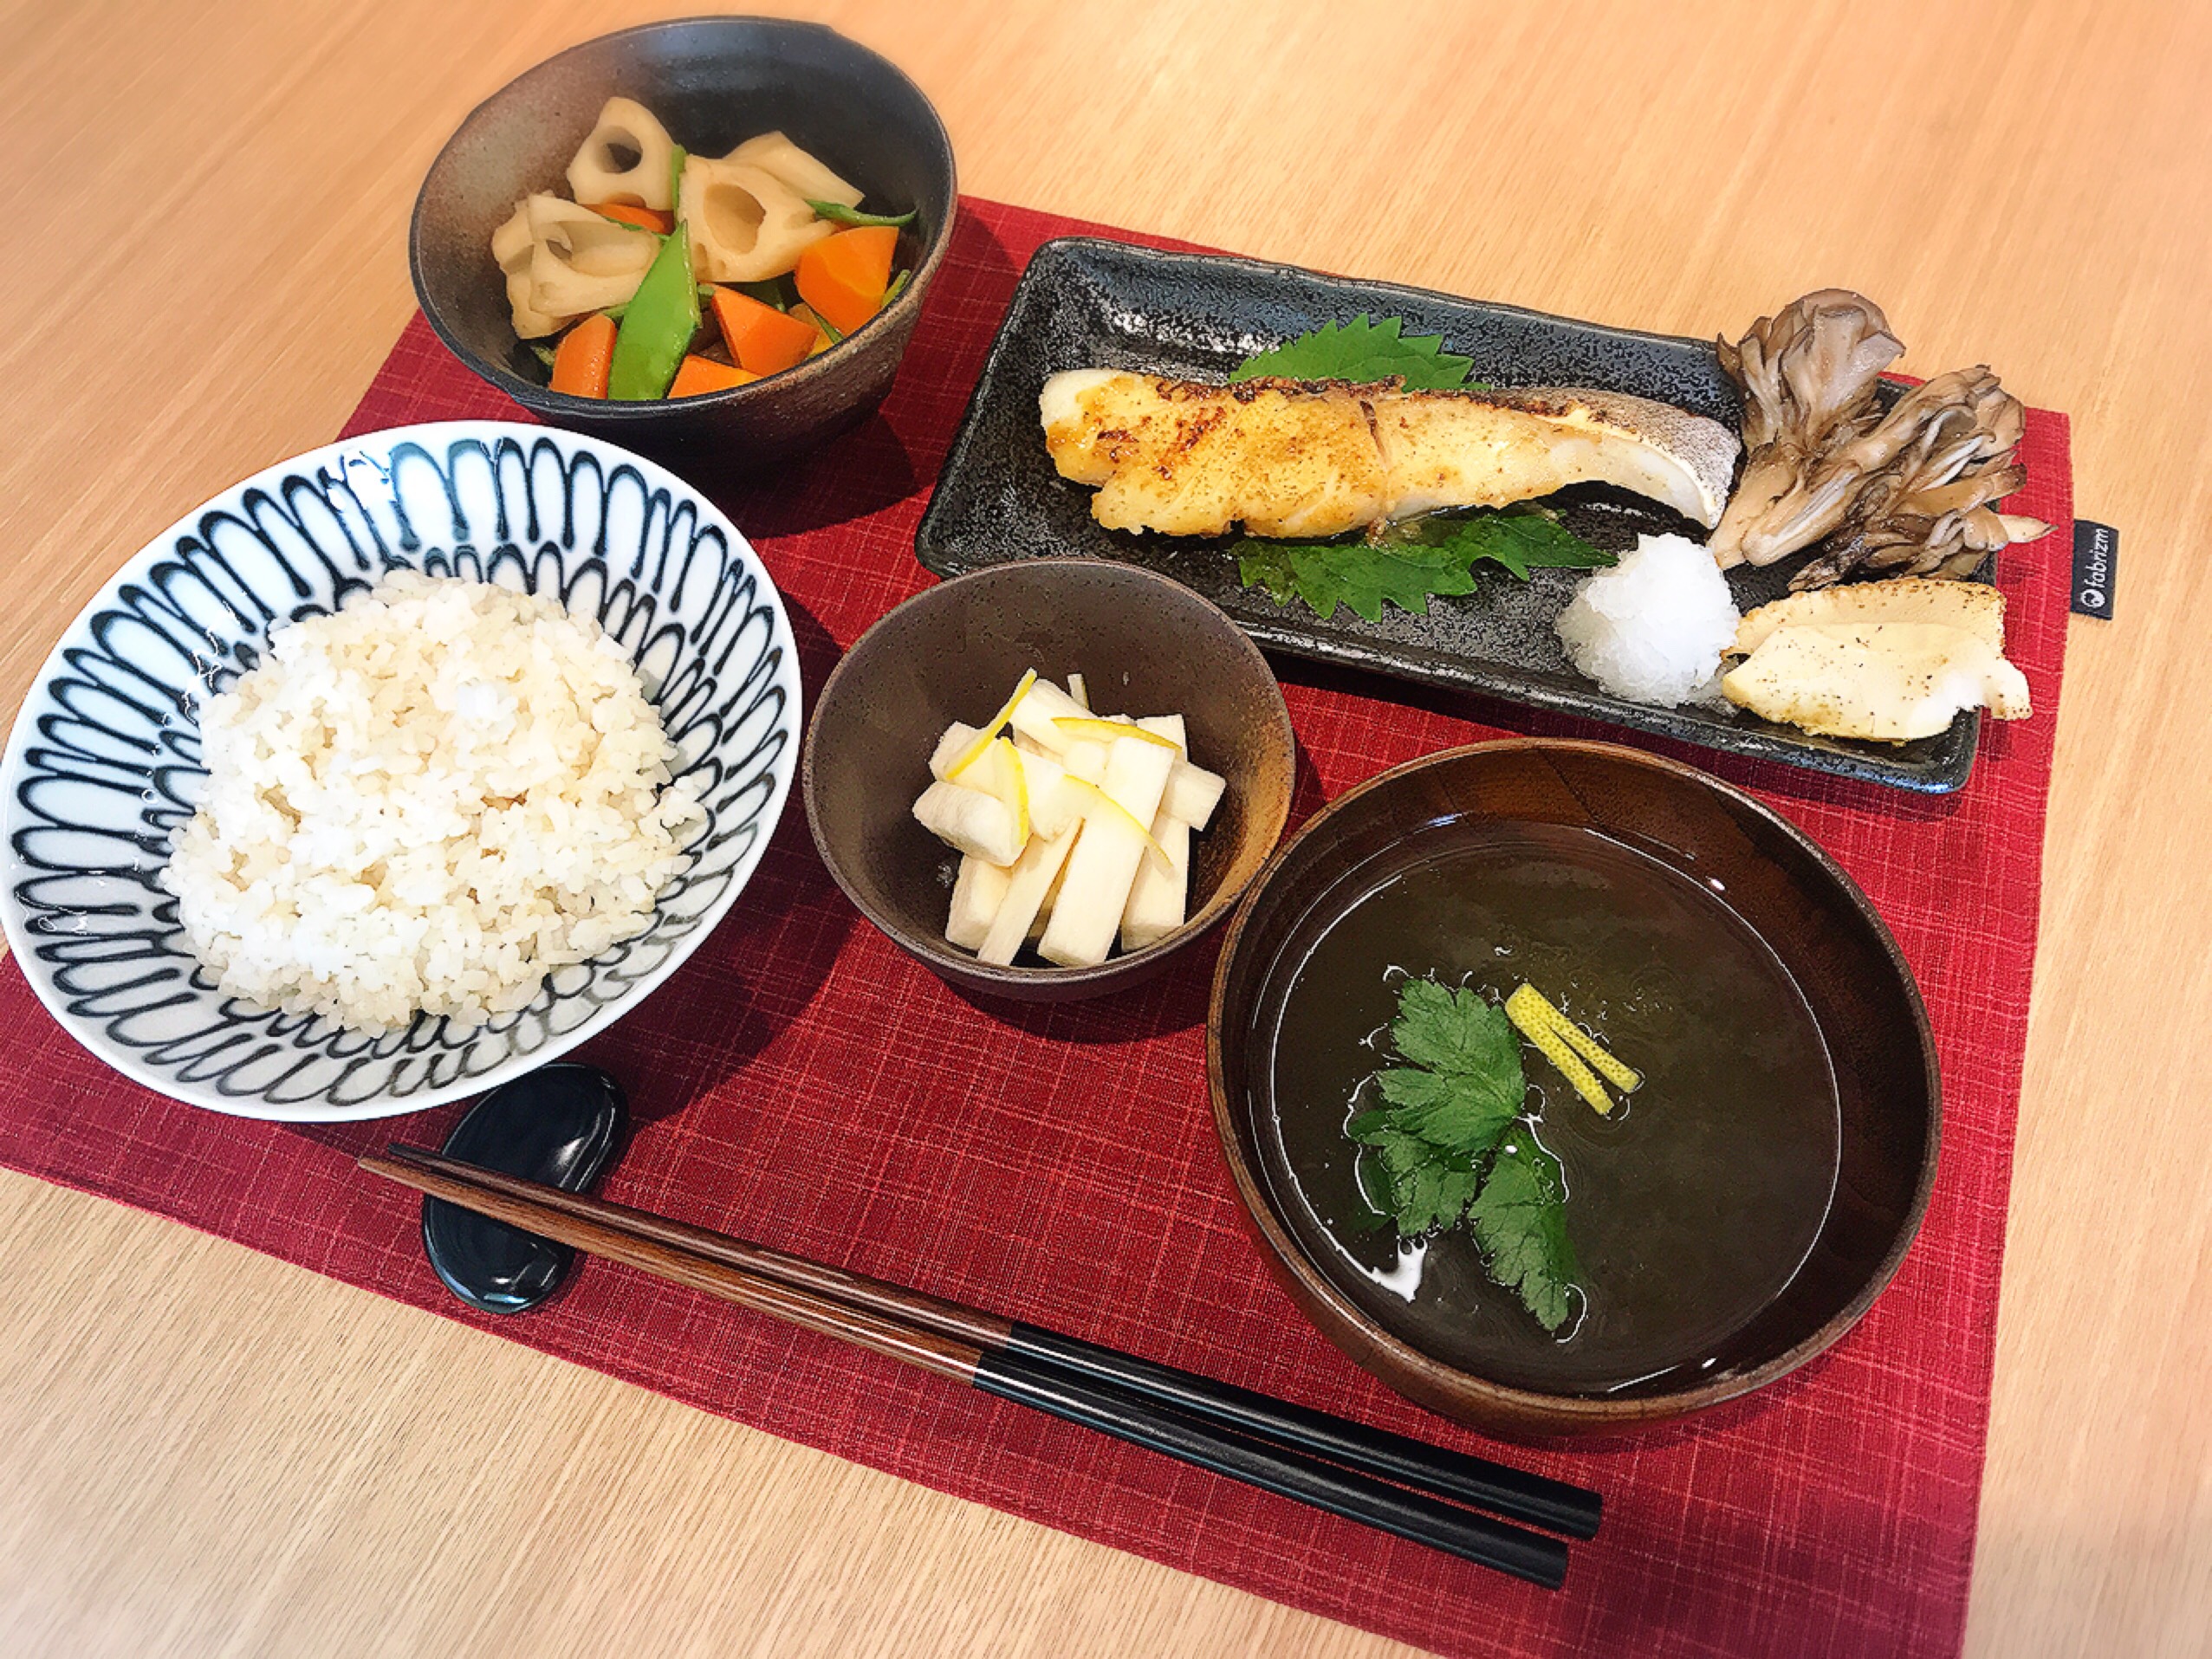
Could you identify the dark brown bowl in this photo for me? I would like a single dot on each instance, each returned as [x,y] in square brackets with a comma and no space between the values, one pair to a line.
[714,82]
[1145,643]
[1854,983]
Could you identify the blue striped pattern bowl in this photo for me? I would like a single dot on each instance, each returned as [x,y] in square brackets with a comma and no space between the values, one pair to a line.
[103,763]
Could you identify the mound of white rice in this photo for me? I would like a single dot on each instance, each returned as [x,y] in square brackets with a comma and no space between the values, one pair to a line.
[426,801]
[1652,628]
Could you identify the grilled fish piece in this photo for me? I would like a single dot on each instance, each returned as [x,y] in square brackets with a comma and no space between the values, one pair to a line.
[1886,681]
[1975,606]
[1315,459]
[1487,449]
[1284,457]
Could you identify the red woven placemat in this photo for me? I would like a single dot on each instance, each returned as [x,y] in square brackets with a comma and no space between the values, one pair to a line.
[802,1082]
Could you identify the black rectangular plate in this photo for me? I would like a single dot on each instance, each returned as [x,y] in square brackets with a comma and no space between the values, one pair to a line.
[1085,302]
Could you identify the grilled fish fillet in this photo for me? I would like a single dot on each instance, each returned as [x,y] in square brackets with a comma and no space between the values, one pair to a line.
[1886,681]
[1283,457]
[1315,459]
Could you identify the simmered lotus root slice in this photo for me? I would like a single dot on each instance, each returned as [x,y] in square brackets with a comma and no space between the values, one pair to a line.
[589,242]
[625,129]
[801,170]
[512,245]
[530,323]
[580,260]
[747,225]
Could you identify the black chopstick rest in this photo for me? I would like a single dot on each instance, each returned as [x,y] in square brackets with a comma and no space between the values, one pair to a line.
[1515,1493]
[1144,1421]
[560,1124]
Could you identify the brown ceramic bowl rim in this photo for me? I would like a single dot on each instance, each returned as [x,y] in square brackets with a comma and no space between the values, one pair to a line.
[566,403]
[1497,1402]
[1117,969]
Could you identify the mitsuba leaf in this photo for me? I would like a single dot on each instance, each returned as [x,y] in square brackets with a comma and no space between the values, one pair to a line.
[1368,1127]
[1449,1141]
[1449,1030]
[1442,1114]
[1375,1187]
[1401,1174]
[1420,1186]
[1452,1110]
[1363,350]
[1432,1193]
[1402,1153]
[1520,1219]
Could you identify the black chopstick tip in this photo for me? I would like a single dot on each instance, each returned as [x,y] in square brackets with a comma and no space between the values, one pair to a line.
[1144,1420]
[1462,1477]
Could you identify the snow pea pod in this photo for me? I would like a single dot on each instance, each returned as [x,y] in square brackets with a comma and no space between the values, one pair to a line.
[657,328]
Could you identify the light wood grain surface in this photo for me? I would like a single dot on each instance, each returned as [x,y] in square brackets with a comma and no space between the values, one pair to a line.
[203,1451]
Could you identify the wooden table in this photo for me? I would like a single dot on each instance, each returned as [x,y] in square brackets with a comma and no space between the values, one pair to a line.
[206,265]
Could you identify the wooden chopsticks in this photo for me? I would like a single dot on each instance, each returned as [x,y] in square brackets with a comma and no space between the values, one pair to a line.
[1346,1467]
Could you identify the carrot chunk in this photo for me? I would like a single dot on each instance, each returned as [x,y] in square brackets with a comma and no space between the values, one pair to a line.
[646,218]
[762,339]
[696,374]
[585,354]
[843,276]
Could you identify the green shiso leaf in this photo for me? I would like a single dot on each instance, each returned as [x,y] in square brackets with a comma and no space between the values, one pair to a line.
[1413,562]
[1520,537]
[1363,350]
[1409,564]
[1325,574]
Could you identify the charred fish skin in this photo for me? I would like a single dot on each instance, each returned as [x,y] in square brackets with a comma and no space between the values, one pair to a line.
[1282,457]
[1316,458]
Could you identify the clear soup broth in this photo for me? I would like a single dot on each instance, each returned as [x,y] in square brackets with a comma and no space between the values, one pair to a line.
[1690,1207]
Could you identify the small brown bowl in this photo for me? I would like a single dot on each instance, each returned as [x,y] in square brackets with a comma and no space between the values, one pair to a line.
[1145,645]
[714,82]
[1276,1120]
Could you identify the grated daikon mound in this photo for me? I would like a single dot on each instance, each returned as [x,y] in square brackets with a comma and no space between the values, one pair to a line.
[1652,628]
[426,802]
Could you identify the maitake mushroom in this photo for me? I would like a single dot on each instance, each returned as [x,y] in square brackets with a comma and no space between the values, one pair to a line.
[1806,377]
[1908,492]
[1934,465]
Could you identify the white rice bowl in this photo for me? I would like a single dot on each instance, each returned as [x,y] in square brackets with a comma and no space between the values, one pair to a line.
[106,759]
[1652,628]
[423,803]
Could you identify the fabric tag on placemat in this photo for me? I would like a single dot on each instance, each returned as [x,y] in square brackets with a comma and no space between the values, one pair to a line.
[2096,567]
